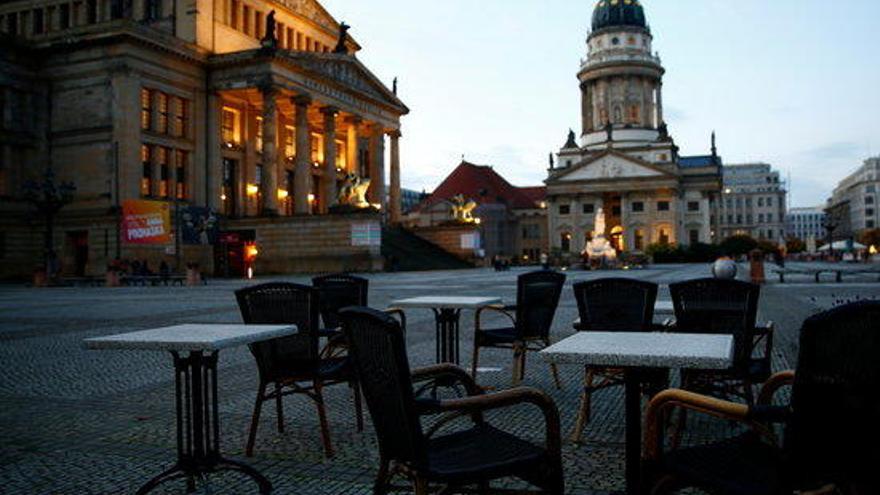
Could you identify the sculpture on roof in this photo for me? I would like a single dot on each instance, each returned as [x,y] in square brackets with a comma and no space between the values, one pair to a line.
[551,161]
[462,209]
[343,35]
[394,86]
[354,191]
[270,40]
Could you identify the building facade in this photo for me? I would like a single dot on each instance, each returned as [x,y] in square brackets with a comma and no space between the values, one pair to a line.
[753,202]
[254,109]
[806,223]
[857,194]
[512,221]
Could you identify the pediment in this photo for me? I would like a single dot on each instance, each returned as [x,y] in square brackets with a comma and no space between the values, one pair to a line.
[611,166]
[312,10]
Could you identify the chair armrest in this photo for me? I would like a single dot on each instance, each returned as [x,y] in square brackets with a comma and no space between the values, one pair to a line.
[773,384]
[511,397]
[764,331]
[661,405]
[448,371]
[399,313]
[498,308]
[329,332]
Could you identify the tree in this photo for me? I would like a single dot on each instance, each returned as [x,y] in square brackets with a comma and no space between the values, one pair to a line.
[793,245]
[48,198]
[738,245]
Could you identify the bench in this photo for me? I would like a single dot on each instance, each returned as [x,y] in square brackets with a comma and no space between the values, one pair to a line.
[153,280]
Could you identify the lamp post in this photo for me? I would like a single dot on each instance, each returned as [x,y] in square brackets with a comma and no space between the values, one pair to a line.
[830,225]
[48,197]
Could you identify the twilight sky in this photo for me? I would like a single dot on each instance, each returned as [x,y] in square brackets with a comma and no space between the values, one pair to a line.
[794,83]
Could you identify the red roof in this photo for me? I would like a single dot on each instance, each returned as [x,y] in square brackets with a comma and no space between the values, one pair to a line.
[482,184]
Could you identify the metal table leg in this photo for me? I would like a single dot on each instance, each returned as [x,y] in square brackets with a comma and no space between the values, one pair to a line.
[633,411]
[198,426]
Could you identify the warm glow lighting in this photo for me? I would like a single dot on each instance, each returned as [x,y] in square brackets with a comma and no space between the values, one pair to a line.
[728,191]
[543,205]
[282,194]
[250,272]
[251,251]
[478,221]
[252,190]
[873,250]
[311,198]
[223,197]
[317,165]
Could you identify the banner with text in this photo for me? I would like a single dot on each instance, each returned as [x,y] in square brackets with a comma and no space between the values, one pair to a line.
[146,222]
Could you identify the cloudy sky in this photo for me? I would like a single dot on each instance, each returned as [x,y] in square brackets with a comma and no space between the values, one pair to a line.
[795,83]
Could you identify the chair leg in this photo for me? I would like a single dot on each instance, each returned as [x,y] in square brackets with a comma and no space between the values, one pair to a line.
[380,487]
[279,407]
[255,421]
[681,423]
[475,360]
[322,418]
[420,486]
[586,404]
[518,364]
[358,405]
[555,371]
[522,366]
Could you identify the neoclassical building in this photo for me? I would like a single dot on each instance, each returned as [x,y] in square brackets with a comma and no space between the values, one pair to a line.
[193,103]
[625,161]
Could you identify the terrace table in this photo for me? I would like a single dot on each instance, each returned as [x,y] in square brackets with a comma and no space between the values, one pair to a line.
[661,308]
[447,313]
[634,352]
[195,378]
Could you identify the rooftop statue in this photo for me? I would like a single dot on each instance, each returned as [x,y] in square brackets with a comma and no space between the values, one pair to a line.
[270,39]
[462,209]
[343,35]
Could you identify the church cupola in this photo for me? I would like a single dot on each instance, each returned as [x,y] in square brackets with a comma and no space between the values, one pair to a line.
[616,13]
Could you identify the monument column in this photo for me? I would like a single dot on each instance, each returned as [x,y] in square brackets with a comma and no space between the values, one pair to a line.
[351,151]
[377,165]
[394,194]
[302,180]
[329,180]
[269,183]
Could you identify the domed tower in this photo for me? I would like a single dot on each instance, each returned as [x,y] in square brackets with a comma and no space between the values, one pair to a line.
[621,80]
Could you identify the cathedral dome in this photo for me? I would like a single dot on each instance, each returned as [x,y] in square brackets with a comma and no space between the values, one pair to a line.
[618,13]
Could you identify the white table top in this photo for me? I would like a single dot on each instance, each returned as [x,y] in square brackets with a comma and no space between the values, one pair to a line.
[191,337]
[446,302]
[643,350]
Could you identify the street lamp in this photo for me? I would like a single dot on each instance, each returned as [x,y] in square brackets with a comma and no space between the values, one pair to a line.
[48,197]
[830,225]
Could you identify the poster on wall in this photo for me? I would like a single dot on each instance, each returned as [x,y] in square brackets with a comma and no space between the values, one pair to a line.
[366,234]
[470,241]
[146,222]
[199,226]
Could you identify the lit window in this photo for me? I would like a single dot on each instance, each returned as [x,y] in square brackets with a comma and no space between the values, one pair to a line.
[162,160]
[146,109]
[289,141]
[259,135]
[230,126]
[639,240]
[182,165]
[146,170]
[181,116]
[162,104]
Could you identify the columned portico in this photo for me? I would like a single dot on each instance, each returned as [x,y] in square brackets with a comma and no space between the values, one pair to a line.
[269,180]
[394,194]
[328,196]
[376,194]
[302,184]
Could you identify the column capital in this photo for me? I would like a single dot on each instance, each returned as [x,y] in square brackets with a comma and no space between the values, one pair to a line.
[354,120]
[302,100]
[268,89]
[329,110]
[394,133]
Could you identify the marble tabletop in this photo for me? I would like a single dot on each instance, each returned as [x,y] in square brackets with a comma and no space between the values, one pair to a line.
[643,350]
[190,337]
[446,302]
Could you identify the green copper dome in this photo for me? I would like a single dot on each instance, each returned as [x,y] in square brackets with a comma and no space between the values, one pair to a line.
[616,13]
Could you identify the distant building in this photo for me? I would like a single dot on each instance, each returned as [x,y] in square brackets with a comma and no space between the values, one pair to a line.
[410,198]
[513,220]
[806,223]
[753,202]
[857,194]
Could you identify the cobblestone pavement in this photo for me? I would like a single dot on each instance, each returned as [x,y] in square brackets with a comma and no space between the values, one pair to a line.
[101,422]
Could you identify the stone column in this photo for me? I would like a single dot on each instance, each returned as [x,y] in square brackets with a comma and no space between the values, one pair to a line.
[586,108]
[302,181]
[394,194]
[659,103]
[351,151]
[328,190]
[269,183]
[377,165]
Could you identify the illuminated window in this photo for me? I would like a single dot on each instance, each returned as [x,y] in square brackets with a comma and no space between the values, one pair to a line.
[229,126]
[340,155]
[317,148]
[258,135]
[146,170]
[289,141]
[246,20]
[234,7]
[639,239]
[162,160]
[181,116]
[663,237]
[162,106]
[146,109]
[181,161]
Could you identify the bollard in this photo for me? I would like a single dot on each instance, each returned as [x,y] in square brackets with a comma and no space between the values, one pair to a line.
[724,268]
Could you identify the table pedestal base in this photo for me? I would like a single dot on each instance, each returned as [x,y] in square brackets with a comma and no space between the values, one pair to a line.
[446,322]
[633,411]
[198,427]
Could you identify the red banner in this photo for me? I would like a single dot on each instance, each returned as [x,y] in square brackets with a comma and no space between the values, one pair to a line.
[146,222]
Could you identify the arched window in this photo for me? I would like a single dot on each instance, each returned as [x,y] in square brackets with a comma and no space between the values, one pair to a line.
[565,242]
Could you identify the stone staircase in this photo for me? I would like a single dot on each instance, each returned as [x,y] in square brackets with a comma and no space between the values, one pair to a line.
[405,251]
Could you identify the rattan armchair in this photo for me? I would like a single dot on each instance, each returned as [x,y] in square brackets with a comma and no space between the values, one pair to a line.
[614,305]
[831,430]
[292,365]
[530,320]
[470,457]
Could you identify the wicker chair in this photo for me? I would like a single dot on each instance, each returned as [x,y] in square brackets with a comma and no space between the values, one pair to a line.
[287,362]
[614,305]
[729,307]
[339,291]
[537,297]
[831,429]
[473,456]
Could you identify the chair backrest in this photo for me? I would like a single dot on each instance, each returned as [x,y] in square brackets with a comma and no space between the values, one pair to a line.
[283,303]
[378,352]
[537,297]
[719,306]
[340,291]
[834,431]
[616,304]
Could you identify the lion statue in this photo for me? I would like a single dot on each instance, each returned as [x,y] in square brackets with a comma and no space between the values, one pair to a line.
[354,191]
[462,209]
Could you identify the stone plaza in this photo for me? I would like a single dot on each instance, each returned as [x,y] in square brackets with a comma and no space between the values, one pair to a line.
[74,421]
